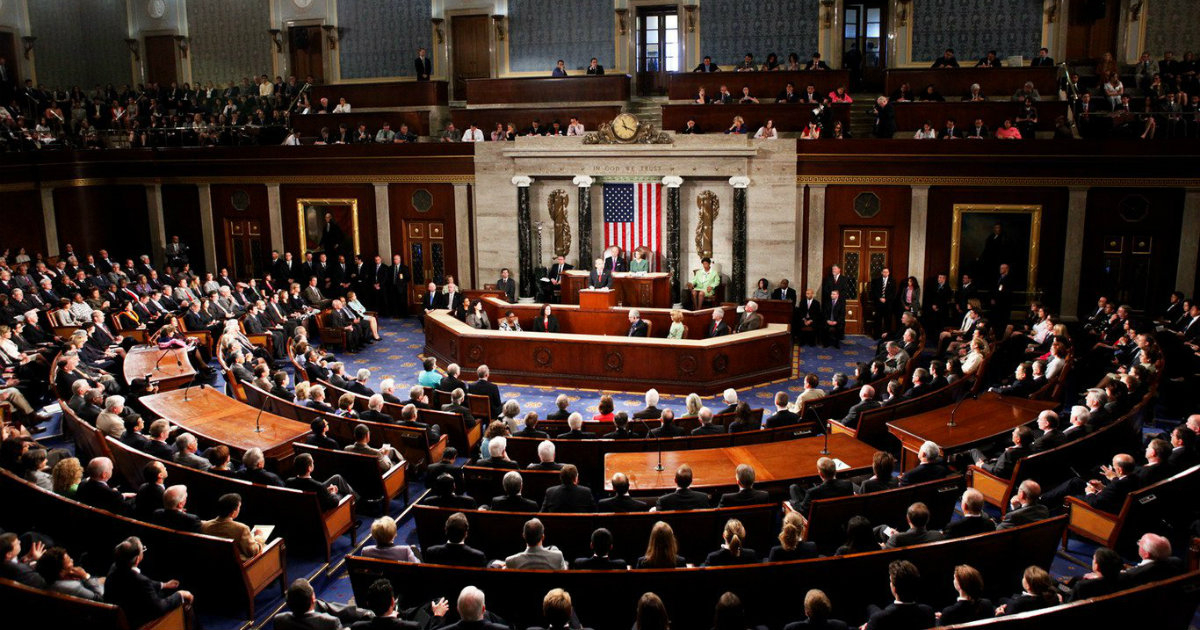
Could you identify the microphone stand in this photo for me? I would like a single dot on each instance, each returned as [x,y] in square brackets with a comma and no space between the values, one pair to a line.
[958,404]
[163,356]
[823,427]
[189,386]
[263,405]
[657,441]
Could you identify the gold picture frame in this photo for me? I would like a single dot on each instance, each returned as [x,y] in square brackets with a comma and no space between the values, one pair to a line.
[964,211]
[312,211]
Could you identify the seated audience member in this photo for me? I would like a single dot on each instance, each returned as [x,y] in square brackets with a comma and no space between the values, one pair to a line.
[904,611]
[882,465]
[141,598]
[662,550]
[601,546]
[472,613]
[447,466]
[408,418]
[381,601]
[535,555]
[973,520]
[1004,465]
[558,612]
[1157,563]
[254,468]
[929,468]
[783,416]
[668,428]
[705,415]
[383,532]
[62,575]
[561,402]
[249,542]
[742,420]
[319,436]
[1051,437]
[683,498]
[302,613]
[622,431]
[651,411]
[545,451]
[1105,577]
[575,426]
[329,492]
[456,552]
[443,494]
[817,609]
[866,402]
[917,532]
[829,487]
[860,537]
[17,567]
[96,492]
[970,605]
[457,397]
[791,545]
[496,433]
[186,447]
[620,501]
[569,496]
[1037,592]
[1106,495]
[1024,507]
[511,500]
[746,494]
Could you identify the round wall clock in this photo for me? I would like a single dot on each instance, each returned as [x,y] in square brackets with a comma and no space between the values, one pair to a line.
[303,4]
[156,8]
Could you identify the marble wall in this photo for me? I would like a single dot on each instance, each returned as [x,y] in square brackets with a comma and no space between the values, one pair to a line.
[1171,25]
[380,38]
[973,27]
[229,39]
[543,31]
[731,28]
[80,42]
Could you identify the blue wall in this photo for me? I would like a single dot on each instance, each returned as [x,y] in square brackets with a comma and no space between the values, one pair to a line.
[229,40]
[380,38]
[80,42]
[973,27]
[541,32]
[731,28]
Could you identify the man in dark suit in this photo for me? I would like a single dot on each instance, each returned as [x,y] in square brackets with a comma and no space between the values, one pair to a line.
[254,469]
[569,496]
[141,598]
[830,487]
[1157,562]
[445,466]
[918,531]
[784,292]
[507,285]
[834,327]
[1024,507]
[973,520]
[683,498]
[511,500]
[1042,60]
[717,327]
[707,66]
[904,612]
[783,416]
[594,68]
[651,412]
[668,428]
[455,552]
[637,327]
[483,387]
[443,494]
[1003,466]
[17,567]
[575,429]
[810,319]
[1183,449]
[173,514]
[497,457]
[1051,437]
[1000,298]
[554,277]
[457,396]
[423,65]
[746,494]
[149,497]
[621,430]
[937,300]
[884,290]
[921,386]
[930,467]
[96,492]
[706,423]
[329,492]
[835,281]
[599,561]
[620,501]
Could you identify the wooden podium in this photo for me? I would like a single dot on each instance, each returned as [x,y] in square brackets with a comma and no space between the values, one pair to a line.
[597,299]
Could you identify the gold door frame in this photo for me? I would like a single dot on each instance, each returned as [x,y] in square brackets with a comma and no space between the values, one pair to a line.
[1035,230]
[353,203]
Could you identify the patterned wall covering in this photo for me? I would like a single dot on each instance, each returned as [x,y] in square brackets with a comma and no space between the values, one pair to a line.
[229,39]
[1171,25]
[380,38]
[972,27]
[543,31]
[731,28]
[80,42]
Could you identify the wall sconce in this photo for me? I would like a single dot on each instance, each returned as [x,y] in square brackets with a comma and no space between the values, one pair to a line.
[827,20]
[28,40]
[902,12]
[1135,10]
[1052,13]
[331,35]
[184,44]
[621,25]
[498,21]
[690,9]
[133,48]
[277,39]
[437,29]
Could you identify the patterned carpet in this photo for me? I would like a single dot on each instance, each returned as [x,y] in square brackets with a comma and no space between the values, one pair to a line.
[398,357]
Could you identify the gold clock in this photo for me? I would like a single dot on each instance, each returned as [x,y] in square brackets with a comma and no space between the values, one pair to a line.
[625,126]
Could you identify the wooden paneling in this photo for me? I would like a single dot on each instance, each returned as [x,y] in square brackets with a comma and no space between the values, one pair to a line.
[306,46]
[993,82]
[522,117]
[410,226]
[470,46]
[578,89]
[383,94]
[181,217]
[223,209]
[103,217]
[21,215]
[309,125]
[368,239]
[160,59]
[718,118]
[910,116]
[686,85]
[895,203]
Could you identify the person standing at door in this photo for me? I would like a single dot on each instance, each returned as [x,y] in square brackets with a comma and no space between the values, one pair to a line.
[398,287]
[423,65]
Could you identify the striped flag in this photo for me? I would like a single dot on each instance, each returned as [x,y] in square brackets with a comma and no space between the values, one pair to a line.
[633,218]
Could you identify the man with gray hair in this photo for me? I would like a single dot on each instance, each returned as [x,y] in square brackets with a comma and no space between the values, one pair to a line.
[896,358]
[111,421]
[497,456]
[651,412]
[483,387]
[575,426]
[255,469]
[1079,425]
[417,398]
[746,494]
[95,491]
[457,396]
[374,411]
[471,610]
[706,423]
[387,389]
[1157,562]
[750,320]
[408,418]
[829,487]
[931,466]
[866,402]
[731,400]
[451,381]
[174,514]
[511,500]
[637,327]
[545,451]
[359,386]
[185,452]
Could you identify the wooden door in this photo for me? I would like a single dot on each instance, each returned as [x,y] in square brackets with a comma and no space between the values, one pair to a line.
[160,60]
[8,50]
[307,50]
[865,29]
[472,54]
[430,255]
[657,48]
[863,254]
[243,248]
[1092,28]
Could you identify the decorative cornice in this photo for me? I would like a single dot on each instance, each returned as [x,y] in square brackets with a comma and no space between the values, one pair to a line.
[976,181]
[672,181]
[739,181]
[284,179]
[522,181]
[583,181]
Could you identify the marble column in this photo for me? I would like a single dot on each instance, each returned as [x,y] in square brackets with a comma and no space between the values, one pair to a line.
[207,235]
[50,222]
[1072,264]
[383,225]
[462,234]
[525,279]
[158,231]
[1185,272]
[673,182]
[584,231]
[737,279]
[816,236]
[917,226]
[275,213]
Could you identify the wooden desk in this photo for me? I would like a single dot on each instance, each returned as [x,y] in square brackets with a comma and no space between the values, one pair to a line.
[612,360]
[174,370]
[309,125]
[994,82]
[572,89]
[713,468]
[487,117]
[717,118]
[686,85]
[651,290]
[383,94]
[910,116]
[597,300]
[219,419]
[978,421]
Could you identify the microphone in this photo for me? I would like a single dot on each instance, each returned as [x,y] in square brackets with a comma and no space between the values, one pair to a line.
[657,441]
[824,429]
[163,356]
[189,386]
[971,395]
[261,406]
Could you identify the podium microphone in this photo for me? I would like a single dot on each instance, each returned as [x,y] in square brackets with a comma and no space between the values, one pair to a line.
[657,441]
[261,406]
[824,429]
[161,357]
[971,395]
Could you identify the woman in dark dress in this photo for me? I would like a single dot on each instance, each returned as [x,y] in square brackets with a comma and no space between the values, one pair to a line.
[732,552]
[790,546]
[662,552]
[1037,592]
[970,606]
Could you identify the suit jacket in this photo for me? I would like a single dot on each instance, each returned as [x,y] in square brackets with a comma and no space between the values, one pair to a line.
[902,616]
[568,498]
[311,620]
[537,558]
[682,499]
[1112,496]
[788,294]
[489,389]
[836,312]
[423,68]
[715,329]
[1153,571]
[174,519]
[518,503]
[638,329]
[621,503]
[782,418]
[540,324]
[724,557]
[969,526]
[22,573]
[141,598]
[812,311]
[327,499]
[602,280]
[842,284]
[1024,516]
[1049,440]
[744,496]
[967,610]
[596,563]
[149,498]
[509,287]
[649,413]
[802,500]
[751,321]
[455,555]
[851,417]
[1007,461]
[100,495]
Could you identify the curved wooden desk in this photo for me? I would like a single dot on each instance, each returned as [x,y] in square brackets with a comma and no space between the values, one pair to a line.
[593,353]
[214,417]
[173,370]
[638,291]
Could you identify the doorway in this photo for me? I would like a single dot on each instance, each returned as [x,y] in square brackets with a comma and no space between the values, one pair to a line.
[1092,29]
[431,257]
[243,248]
[160,60]
[471,53]
[865,31]
[658,50]
[863,254]
[307,52]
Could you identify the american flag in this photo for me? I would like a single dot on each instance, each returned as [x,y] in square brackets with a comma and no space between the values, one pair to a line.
[633,218]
